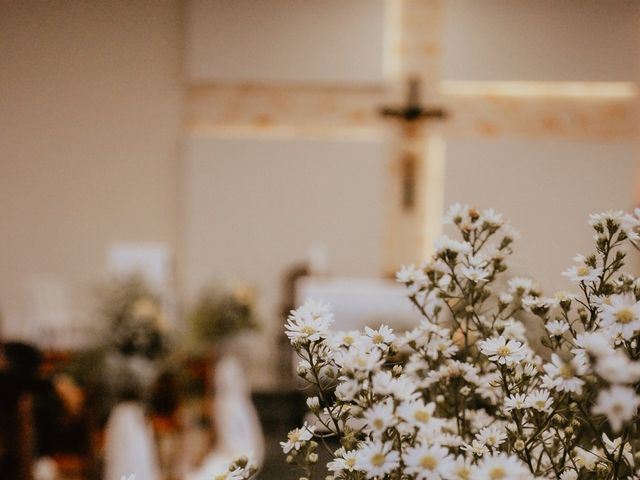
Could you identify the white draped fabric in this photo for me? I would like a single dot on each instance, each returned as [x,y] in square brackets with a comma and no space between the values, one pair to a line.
[129,445]
[237,423]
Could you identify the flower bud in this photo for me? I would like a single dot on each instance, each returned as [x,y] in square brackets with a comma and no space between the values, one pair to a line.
[312,458]
[518,445]
[313,403]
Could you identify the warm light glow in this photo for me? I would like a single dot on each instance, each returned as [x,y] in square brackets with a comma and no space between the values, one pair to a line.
[434,208]
[284,132]
[540,89]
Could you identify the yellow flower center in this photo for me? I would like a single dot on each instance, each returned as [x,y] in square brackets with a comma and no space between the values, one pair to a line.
[504,351]
[378,460]
[377,339]
[429,462]
[294,435]
[624,316]
[308,330]
[463,473]
[583,271]
[422,416]
[350,462]
[348,340]
[566,371]
[378,424]
[497,473]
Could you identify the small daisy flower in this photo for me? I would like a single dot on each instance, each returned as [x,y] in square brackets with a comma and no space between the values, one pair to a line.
[344,461]
[376,459]
[502,351]
[557,327]
[380,337]
[379,417]
[428,462]
[564,375]
[618,404]
[500,467]
[582,273]
[491,436]
[621,316]
[475,274]
[540,400]
[297,437]
[518,401]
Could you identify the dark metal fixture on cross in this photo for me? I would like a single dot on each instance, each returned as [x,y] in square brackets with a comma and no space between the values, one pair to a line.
[412,109]
[409,114]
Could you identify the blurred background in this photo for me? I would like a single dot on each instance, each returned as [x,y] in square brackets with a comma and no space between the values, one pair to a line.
[175,176]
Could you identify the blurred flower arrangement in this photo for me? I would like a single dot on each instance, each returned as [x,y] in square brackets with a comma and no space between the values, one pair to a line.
[135,341]
[132,346]
[220,313]
[464,395]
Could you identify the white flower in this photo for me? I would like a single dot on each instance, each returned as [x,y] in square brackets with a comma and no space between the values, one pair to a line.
[621,315]
[380,416]
[582,273]
[491,218]
[500,467]
[617,368]
[593,343]
[585,458]
[296,437]
[343,339]
[344,461]
[475,274]
[418,414]
[614,216]
[505,298]
[376,459]
[313,403]
[520,285]
[630,225]
[310,322]
[502,351]
[428,462]
[456,213]
[613,447]
[347,389]
[540,400]
[518,401]
[357,359]
[557,328]
[564,375]
[410,274]
[381,336]
[235,474]
[476,448]
[618,404]
[446,244]
[462,468]
[491,436]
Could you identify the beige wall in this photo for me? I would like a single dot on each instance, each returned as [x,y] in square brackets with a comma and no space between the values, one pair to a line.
[90,107]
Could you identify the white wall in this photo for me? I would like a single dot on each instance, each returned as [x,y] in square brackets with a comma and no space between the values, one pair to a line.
[90,107]
[547,189]
[254,206]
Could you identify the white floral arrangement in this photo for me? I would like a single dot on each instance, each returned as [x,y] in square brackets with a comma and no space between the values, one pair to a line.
[464,395]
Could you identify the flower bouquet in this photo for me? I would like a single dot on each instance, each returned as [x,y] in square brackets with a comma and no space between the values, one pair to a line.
[466,394]
[219,314]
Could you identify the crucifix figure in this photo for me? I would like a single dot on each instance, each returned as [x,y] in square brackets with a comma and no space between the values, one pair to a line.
[410,113]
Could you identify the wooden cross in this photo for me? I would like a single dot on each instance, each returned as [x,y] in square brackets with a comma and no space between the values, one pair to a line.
[412,111]
[410,225]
